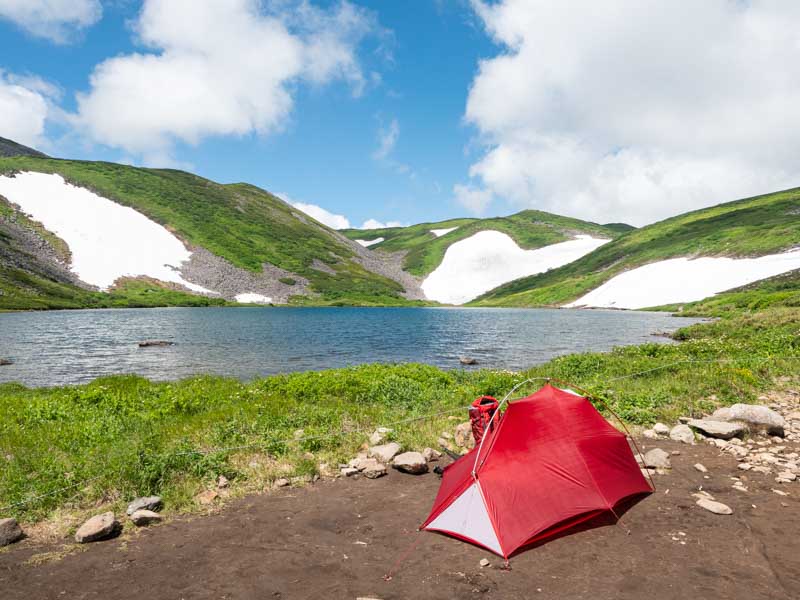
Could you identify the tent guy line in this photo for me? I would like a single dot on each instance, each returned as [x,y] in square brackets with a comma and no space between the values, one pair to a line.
[361,429]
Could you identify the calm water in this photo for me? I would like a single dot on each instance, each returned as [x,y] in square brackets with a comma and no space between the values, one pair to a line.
[58,347]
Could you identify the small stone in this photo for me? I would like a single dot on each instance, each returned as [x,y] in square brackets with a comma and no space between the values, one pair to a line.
[786,477]
[484,562]
[780,492]
[349,471]
[222,482]
[282,482]
[384,453]
[97,528]
[701,468]
[661,429]
[144,503]
[650,434]
[745,466]
[682,433]
[410,462]
[207,497]
[762,469]
[718,508]
[10,532]
[374,470]
[463,436]
[431,455]
[142,518]
[657,459]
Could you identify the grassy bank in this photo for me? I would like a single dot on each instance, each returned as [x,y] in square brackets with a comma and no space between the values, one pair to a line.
[128,436]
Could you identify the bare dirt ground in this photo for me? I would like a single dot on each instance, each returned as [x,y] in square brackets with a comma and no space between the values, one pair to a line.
[337,539]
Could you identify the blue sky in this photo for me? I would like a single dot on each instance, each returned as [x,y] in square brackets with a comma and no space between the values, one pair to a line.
[421,110]
[327,150]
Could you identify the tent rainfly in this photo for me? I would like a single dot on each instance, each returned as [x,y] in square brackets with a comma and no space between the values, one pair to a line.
[549,465]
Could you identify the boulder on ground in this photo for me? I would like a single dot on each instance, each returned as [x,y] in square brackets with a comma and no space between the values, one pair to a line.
[657,459]
[142,518]
[661,429]
[755,417]
[463,436]
[10,532]
[410,462]
[718,508]
[385,452]
[717,429]
[682,433]
[99,527]
[144,503]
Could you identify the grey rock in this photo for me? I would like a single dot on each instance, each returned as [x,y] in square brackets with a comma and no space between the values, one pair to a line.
[156,343]
[350,471]
[142,518]
[467,360]
[700,467]
[718,508]
[374,470]
[661,429]
[755,417]
[144,503]
[5,362]
[282,482]
[99,527]
[650,434]
[410,462]
[463,436]
[431,455]
[10,532]
[682,433]
[657,459]
[385,452]
[717,429]
[378,436]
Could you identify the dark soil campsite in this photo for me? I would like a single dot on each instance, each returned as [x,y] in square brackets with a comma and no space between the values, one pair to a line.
[337,539]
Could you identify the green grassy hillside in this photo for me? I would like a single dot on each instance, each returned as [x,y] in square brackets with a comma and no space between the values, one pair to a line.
[750,227]
[239,222]
[530,229]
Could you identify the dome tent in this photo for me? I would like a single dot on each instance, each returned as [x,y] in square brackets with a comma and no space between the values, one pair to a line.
[550,465]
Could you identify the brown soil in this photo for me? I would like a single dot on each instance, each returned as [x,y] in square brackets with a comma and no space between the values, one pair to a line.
[337,540]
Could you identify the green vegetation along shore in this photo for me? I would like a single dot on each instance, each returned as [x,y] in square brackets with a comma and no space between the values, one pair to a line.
[78,447]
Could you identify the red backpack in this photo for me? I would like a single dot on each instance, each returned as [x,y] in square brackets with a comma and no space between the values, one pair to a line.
[480,415]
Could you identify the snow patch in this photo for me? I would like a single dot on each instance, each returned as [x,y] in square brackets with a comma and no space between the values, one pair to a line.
[250,298]
[441,232]
[367,243]
[488,259]
[107,240]
[680,280]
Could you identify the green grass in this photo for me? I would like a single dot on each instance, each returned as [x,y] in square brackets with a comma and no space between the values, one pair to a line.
[239,222]
[530,229]
[749,227]
[130,436]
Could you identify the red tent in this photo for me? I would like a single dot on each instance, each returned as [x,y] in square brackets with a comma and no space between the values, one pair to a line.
[550,464]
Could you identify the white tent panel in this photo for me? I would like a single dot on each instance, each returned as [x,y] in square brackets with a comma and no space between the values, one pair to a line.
[468,518]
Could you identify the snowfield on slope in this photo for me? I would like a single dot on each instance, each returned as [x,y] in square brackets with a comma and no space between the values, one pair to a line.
[441,232]
[489,258]
[368,243]
[252,298]
[679,280]
[107,240]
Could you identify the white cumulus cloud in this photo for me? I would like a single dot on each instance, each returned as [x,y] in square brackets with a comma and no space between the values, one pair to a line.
[375,224]
[57,20]
[25,104]
[636,110]
[325,217]
[218,67]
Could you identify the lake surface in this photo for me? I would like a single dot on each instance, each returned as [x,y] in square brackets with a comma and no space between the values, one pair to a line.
[61,347]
